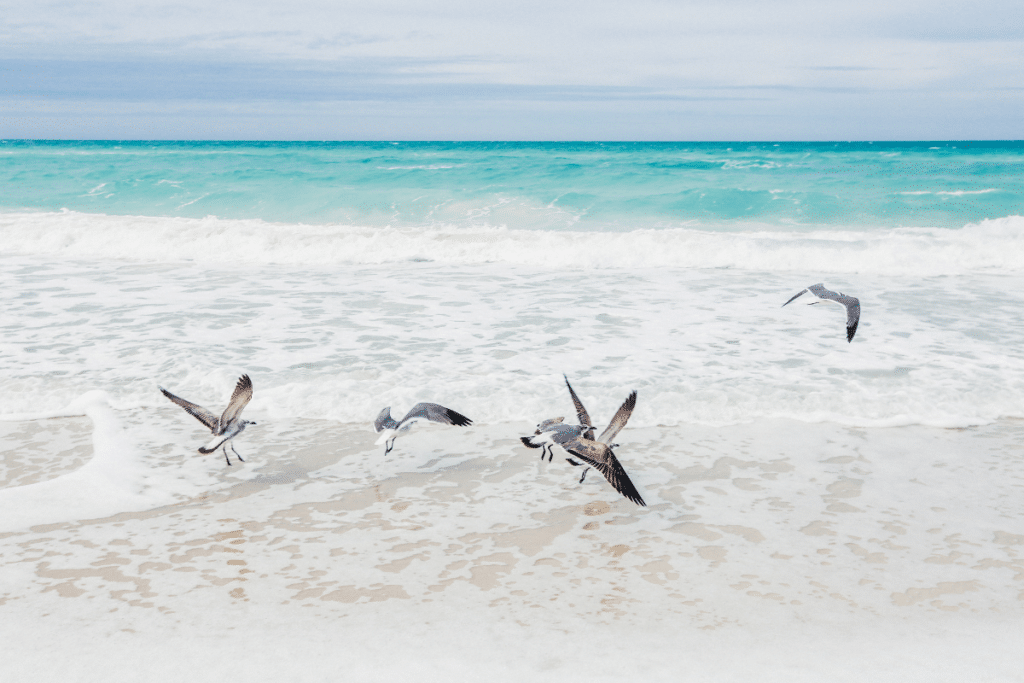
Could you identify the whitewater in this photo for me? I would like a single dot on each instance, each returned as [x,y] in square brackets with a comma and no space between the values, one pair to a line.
[817,510]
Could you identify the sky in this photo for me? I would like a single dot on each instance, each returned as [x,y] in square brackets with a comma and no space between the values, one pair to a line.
[525,70]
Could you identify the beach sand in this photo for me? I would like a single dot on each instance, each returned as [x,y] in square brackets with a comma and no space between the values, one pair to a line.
[776,550]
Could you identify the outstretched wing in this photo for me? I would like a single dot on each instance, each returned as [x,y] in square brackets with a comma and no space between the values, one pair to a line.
[620,419]
[852,315]
[581,413]
[549,423]
[436,413]
[795,296]
[198,412]
[601,458]
[384,421]
[241,396]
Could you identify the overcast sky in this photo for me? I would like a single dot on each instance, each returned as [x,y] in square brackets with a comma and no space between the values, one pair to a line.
[528,70]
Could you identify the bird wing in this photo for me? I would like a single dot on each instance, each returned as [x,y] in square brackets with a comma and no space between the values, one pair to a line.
[798,294]
[239,399]
[549,423]
[852,305]
[852,315]
[819,291]
[581,413]
[620,419]
[601,458]
[198,412]
[436,413]
[384,421]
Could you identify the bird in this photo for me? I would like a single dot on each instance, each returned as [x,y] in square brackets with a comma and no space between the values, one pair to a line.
[578,440]
[551,433]
[226,427]
[389,429]
[598,452]
[852,305]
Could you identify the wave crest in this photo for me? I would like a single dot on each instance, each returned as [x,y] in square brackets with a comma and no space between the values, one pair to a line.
[989,246]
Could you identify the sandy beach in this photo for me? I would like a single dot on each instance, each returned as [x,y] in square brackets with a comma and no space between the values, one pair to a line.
[842,539]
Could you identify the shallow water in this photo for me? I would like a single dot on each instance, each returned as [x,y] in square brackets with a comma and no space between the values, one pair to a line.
[816,510]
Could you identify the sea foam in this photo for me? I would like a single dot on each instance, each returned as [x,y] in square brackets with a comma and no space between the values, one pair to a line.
[991,246]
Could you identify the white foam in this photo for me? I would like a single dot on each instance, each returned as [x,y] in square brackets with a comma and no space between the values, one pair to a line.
[705,346]
[990,246]
[116,478]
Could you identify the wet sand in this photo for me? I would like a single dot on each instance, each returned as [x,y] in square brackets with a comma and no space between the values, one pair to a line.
[783,550]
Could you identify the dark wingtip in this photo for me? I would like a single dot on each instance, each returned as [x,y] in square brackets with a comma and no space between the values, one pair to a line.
[850,331]
[202,449]
[458,419]
[527,443]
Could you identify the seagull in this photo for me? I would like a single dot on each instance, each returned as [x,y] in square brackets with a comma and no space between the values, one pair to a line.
[578,440]
[598,452]
[390,430]
[552,432]
[852,305]
[226,427]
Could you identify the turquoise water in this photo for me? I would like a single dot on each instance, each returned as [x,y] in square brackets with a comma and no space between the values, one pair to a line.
[551,186]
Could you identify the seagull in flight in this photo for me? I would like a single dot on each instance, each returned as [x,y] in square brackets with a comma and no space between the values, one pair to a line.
[552,432]
[851,304]
[389,429]
[597,453]
[226,427]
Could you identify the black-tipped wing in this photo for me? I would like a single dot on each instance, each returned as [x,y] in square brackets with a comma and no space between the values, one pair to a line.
[239,399]
[198,412]
[581,413]
[620,419]
[852,315]
[436,413]
[601,458]
[851,303]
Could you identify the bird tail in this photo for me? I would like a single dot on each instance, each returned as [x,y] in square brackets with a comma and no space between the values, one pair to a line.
[214,444]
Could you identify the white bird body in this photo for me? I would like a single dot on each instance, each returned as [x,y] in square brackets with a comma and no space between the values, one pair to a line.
[390,429]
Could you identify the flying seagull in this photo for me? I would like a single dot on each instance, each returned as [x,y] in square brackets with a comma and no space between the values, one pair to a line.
[552,432]
[598,453]
[579,441]
[390,430]
[226,427]
[852,305]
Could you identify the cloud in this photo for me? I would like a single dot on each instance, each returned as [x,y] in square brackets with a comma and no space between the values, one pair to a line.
[716,58]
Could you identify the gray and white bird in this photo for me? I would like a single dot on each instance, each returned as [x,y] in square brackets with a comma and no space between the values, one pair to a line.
[578,440]
[226,427]
[552,432]
[851,304]
[389,429]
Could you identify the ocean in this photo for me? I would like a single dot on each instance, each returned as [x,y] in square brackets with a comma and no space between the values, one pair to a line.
[816,509]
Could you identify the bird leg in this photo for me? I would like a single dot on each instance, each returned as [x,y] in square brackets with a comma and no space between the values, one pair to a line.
[388,445]
[236,453]
[584,474]
[225,449]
